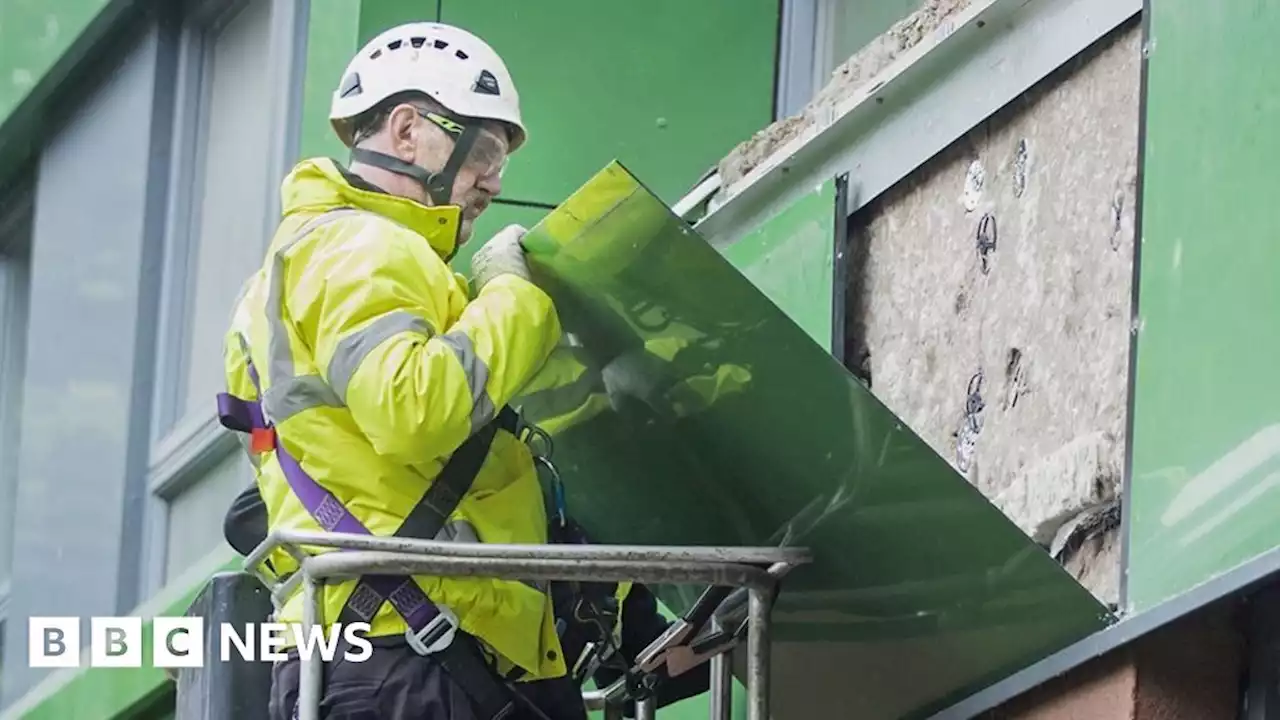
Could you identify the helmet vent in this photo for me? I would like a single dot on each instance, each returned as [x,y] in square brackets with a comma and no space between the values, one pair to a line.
[486,84]
[440,44]
[461,55]
[376,54]
[395,44]
[418,41]
[350,86]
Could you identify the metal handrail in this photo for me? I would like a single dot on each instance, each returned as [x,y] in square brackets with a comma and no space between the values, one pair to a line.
[697,553]
[354,564]
[756,569]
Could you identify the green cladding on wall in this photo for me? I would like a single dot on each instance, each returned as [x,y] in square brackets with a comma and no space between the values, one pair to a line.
[695,411]
[791,258]
[1206,431]
[667,86]
[34,36]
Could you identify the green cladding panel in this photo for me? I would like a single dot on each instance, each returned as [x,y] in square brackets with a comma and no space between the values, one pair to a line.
[667,86]
[34,35]
[688,408]
[1206,431]
[331,41]
[379,15]
[791,259]
[491,221]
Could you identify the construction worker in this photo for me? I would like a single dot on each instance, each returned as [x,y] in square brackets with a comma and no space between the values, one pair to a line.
[365,378]
[364,371]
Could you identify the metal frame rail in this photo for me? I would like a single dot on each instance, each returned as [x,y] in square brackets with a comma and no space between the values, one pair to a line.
[757,570]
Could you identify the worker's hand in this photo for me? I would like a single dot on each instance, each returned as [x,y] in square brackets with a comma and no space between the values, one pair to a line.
[502,255]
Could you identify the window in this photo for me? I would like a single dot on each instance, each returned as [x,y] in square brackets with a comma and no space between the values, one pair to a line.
[195,514]
[818,36]
[220,223]
[15,242]
[230,144]
[847,26]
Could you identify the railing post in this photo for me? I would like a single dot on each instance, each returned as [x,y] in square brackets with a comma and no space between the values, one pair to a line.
[721,683]
[311,680]
[720,566]
[758,638]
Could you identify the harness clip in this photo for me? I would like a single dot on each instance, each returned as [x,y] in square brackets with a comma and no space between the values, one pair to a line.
[557,490]
[437,635]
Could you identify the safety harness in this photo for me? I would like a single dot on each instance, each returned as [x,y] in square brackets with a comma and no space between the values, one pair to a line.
[433,629]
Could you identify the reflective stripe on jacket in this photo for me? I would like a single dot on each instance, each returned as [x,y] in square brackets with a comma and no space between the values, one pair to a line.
[375,366]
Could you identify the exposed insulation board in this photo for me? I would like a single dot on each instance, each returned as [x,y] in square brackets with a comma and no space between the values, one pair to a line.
[990,302]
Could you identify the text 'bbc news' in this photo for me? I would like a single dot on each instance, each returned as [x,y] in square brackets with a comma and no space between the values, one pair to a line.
[179,642]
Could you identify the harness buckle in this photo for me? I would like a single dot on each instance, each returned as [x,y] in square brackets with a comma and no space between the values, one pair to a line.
[437,635]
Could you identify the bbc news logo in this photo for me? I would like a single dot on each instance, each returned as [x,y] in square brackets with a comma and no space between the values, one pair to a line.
[179,642]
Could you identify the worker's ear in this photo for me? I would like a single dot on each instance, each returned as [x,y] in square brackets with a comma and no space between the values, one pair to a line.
[403,128]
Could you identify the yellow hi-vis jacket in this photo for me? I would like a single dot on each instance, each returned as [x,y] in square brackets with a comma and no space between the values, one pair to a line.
[375,366]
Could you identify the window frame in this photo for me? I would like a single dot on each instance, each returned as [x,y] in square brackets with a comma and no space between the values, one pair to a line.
[799,51]
[184,446]
[17,224]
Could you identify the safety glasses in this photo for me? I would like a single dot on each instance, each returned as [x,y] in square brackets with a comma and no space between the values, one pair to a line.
[487,152]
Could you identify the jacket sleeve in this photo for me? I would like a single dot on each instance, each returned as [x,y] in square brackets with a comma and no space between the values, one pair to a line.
[566,392]
[416,387]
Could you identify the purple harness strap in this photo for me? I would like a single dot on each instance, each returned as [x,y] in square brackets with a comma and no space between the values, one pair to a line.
[404,594]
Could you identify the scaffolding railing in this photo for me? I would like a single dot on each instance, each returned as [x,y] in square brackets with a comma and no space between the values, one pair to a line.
[757,571]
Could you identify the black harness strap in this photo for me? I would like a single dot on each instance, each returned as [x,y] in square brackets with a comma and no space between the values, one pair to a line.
[456,477]
[435,506]
[462,658]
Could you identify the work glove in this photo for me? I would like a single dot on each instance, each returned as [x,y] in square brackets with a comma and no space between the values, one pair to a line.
[502,255]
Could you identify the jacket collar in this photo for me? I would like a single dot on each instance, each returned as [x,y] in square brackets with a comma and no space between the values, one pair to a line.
[320,184]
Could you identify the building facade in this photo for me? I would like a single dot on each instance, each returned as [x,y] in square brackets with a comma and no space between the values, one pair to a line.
[1044,241]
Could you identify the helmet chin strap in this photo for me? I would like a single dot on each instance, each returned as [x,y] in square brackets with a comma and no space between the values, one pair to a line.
[438,186]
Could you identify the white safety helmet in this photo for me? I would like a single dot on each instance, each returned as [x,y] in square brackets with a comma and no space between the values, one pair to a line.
[449,64]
